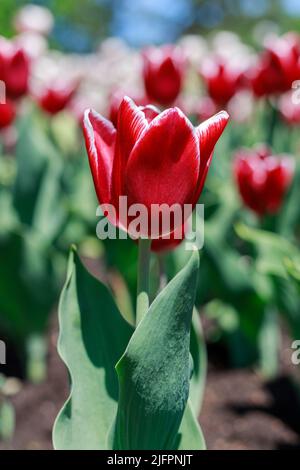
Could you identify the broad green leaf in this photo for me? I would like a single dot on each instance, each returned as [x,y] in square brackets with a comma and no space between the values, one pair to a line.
[93,336]
[190,436]
[154,372]
[198,353]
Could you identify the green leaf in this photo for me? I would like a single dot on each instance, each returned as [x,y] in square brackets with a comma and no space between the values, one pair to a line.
[32,154]
[93,336]
[272,249]
[50,213]
[28,284]
[198,353]
[154,372]
[190,436]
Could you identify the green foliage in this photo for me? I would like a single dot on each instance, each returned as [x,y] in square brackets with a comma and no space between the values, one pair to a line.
[93,336]
[7,420]
[154,372]
[149,409]
[199,357]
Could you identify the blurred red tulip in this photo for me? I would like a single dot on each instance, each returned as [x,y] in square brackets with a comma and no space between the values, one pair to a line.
[289,111]
[152,157]
[14,68]
[7,114]
[223,80]
[277,67]
[115,99]
[205,108]
[55,99]
[263,179]
[163,73]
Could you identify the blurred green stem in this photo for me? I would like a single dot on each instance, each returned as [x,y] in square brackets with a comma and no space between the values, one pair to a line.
[268,223]
[142,300]
[272,118]
[269,344]
[36,366]
[163,280]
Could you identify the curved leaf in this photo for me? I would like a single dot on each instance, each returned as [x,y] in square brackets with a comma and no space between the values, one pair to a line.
[93,336]
[198,353]
[190,435]
[154,372]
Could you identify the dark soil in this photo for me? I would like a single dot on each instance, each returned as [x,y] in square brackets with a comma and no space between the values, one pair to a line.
[240,410]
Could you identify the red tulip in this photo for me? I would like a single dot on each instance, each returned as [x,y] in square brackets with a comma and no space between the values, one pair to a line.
[115,100]
[14,69]
[55,99]
[263,179]
[163,74]
[222,80]
[152,157]
[205,108]
[277,67]
[7,114]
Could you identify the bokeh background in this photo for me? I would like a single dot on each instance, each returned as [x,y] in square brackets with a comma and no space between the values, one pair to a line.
[80,26]
[86,54]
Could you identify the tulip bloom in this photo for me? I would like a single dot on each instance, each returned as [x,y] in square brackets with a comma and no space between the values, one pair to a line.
[263,179]
[205,108]
[222,80]
[7,114]
[151,158]
[115,100]
[277,67]
[163,74]
[55,99]
[14,69]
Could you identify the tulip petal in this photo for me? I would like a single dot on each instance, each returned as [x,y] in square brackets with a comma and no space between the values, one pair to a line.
[131,124]
[208,134]
[150,112]
[163,167]
[100,138]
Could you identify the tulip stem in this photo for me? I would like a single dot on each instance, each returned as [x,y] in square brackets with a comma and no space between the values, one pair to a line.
[142,300]
[163,280]
[273,120]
